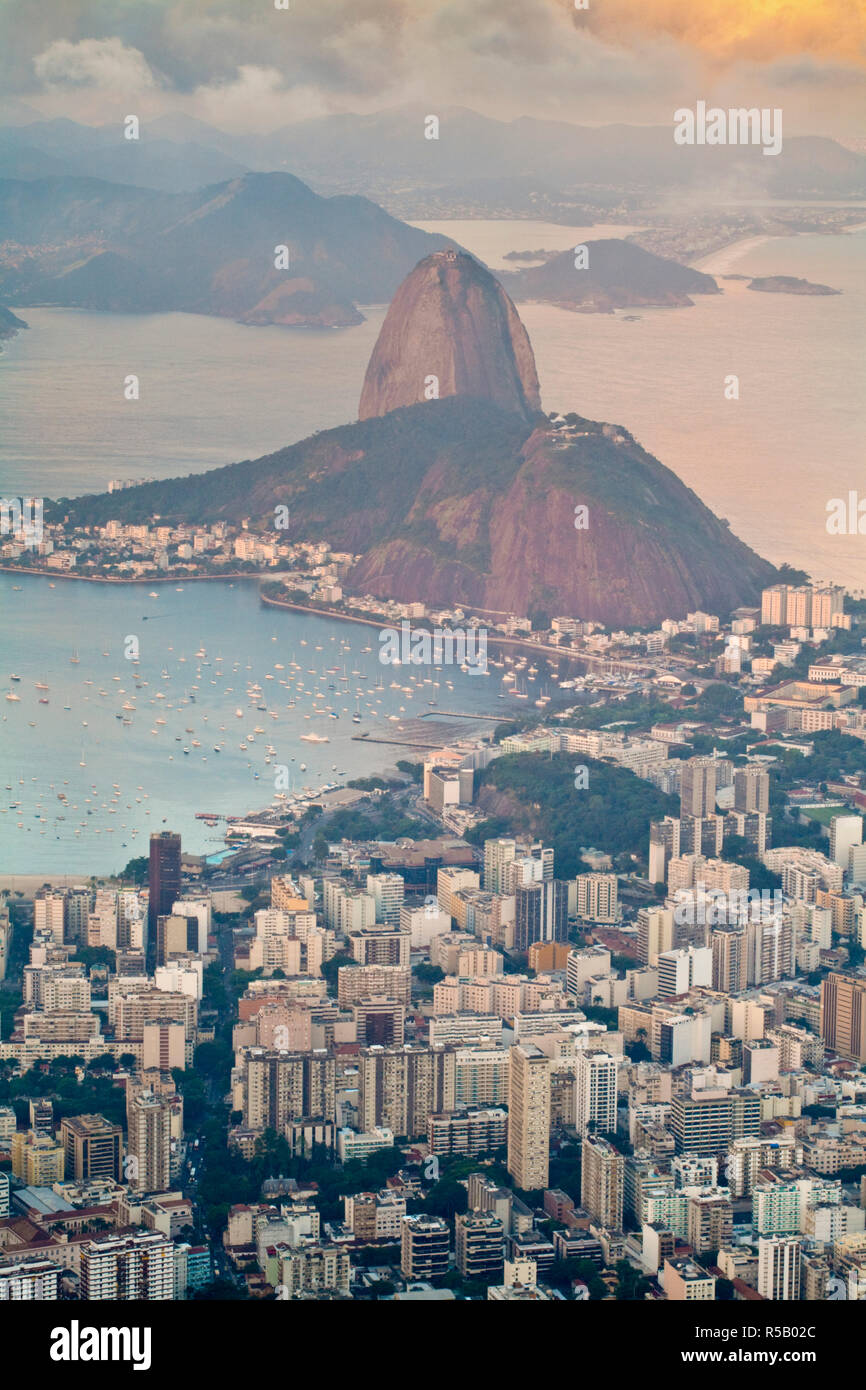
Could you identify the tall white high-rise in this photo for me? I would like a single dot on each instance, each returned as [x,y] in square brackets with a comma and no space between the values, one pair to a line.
[49,914]
[387,891]
[595,1092]
[120,1269]
[680,971]
[497,855]
[845,832]
[779,1267]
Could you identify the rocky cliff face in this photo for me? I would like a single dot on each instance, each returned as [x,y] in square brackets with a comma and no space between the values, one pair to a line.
[460,502]
[583,522]
[451,330]
[476,498]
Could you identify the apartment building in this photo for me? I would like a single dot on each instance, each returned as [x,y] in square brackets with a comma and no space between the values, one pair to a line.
[424,1245]
[529,1116]
[93,1147]
[128,1269]
[602,1181]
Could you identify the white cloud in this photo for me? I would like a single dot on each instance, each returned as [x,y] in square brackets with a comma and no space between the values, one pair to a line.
[106,64]
[256,100]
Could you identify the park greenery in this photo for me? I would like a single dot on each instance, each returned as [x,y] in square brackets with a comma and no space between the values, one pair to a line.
[614,810]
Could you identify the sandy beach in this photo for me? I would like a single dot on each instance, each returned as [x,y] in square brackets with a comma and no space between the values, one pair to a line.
[722,262]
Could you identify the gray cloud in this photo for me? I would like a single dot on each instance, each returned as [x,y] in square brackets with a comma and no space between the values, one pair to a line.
[244,65]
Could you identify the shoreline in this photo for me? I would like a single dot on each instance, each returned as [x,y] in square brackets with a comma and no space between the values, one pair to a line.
[111,579]
[493,639]
[319,612]
[28,882]
[720,262]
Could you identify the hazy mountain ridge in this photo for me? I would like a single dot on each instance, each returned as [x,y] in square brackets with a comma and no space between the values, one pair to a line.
[108,246]
[386,151]
[41,149]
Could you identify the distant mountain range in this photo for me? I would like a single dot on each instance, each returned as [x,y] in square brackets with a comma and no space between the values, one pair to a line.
[119,248]
[215,251]
[476,158]
[58,148]
[477,498]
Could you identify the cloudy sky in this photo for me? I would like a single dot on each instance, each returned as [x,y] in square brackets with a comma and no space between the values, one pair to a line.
[244,65]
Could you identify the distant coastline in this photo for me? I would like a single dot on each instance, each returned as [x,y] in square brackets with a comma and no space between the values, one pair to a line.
[136,579]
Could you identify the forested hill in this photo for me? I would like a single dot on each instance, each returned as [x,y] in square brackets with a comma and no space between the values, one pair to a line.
[537,796]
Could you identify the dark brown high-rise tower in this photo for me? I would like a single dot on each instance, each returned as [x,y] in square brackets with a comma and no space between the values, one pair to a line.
[163,881]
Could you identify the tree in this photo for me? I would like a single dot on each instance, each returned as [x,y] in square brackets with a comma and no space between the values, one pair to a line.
[734,847]
[94,955]
[447,1198]
[330,968]
[104,1063]
[720,699]
[320,846]
[221,1291]
[631,1286]
[786,574]
[213,1059]
[136,871]
[428,974]
[562,1273]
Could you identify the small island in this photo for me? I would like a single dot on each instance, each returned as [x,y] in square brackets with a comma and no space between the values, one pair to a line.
[612,274]
[530,255]
[10,324]
[788,284]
